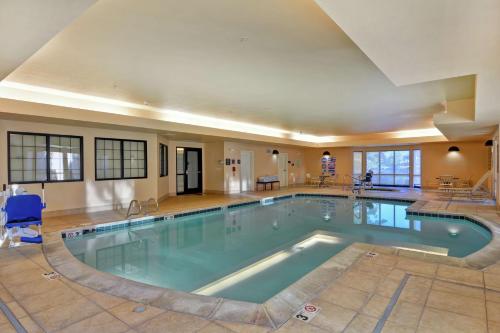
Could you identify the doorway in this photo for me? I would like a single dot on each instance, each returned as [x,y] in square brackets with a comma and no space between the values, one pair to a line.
[189,170]
[247,178]
[283,169]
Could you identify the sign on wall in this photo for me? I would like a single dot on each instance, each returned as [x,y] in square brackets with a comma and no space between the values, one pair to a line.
[328,165]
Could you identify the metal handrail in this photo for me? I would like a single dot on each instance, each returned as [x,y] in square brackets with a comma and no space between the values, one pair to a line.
[142,207]
[151,201]
[346,185]
[132,204]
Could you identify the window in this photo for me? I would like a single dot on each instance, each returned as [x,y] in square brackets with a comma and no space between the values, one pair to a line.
[357,163]
[120,159]
[373,164]
[37,158]
[163,160]
[417,166]
[402,168]
[389,167]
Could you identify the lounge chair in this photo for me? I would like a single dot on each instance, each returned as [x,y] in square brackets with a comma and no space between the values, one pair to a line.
[314,181]
[471,192]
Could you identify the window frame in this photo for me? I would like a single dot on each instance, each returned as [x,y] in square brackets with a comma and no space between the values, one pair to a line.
[362,161]
[394,174]
[122,164]
[163,160]
[47,158]
[413,174]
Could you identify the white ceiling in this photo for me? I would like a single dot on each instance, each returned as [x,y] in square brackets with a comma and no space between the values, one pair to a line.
[424,40]
[26,25]
[283,63]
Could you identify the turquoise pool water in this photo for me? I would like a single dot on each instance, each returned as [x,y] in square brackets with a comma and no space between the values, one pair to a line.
[253,252]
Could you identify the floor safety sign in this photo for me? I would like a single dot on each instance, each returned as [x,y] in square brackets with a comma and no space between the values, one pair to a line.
[307,312]
[51,276]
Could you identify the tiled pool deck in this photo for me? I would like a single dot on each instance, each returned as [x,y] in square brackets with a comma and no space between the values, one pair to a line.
[395,291]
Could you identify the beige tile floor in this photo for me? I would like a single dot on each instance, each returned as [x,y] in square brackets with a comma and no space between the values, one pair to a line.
[435,298]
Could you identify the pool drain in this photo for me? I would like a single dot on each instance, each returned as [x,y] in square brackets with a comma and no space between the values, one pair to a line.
[139,309]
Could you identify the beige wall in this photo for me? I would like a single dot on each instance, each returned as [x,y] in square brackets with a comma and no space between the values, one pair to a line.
[163,182]
[496,165]
[470,163]
[264,163]
[214,170]
[343,157]
[95,195]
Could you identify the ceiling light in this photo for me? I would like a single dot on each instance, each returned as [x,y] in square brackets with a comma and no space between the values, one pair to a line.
[453,149]
[49,96]
[417,133]
[489,143]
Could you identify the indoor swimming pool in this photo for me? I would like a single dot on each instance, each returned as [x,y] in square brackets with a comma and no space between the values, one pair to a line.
[252,252]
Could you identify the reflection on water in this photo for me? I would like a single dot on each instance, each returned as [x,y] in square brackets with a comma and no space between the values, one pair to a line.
[127,258]
[191,252]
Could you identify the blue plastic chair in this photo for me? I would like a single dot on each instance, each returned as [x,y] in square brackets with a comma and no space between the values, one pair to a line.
[23,211]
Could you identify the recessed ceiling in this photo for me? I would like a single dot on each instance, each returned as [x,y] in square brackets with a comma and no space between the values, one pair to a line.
[281,63]
[418,41]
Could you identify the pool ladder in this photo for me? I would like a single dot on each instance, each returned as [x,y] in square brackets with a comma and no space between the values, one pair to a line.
[349,184]
[137,207]
[346,185]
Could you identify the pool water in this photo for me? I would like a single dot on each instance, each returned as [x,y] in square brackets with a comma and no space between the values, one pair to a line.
[253,252]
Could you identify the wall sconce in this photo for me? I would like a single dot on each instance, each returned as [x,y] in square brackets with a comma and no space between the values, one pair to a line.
[275,152]
[326,154]
[489,143]
[453,149]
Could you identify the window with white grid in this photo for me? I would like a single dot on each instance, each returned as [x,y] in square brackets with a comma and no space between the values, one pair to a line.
[43,158]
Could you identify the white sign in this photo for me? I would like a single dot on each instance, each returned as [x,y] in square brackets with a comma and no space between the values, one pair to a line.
[307,312]
[51,275]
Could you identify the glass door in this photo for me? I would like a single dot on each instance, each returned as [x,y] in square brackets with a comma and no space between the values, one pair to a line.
[189,170]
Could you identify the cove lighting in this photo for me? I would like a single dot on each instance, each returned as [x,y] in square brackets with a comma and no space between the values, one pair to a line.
[312,138]
[36,94]
[63,98]
[417,133]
